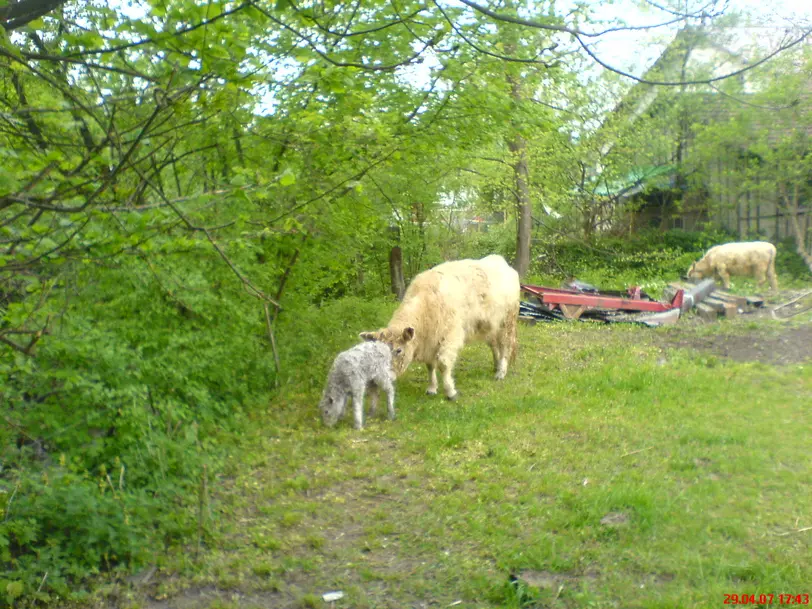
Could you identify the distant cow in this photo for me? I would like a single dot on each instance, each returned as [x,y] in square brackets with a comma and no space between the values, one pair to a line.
[448,306]
[753,258]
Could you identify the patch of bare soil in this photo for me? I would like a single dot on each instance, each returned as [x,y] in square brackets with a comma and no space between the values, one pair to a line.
[549,580]
[615,519]
[374,563]
[781,345]
[210,596]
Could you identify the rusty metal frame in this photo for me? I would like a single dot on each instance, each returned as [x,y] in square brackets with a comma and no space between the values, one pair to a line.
[573,303]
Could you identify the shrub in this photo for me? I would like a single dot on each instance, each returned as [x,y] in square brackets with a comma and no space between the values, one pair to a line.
[788,262]
[112,421]
[647,256]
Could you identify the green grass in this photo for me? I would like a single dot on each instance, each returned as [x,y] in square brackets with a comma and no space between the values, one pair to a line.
[707,462]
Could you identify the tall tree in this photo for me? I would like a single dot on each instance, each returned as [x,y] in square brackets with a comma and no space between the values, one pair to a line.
[764,147]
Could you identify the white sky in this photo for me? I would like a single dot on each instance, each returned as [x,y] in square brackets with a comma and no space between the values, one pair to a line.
[635,51]
[631,51]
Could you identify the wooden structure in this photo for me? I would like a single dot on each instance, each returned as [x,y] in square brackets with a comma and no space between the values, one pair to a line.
[718,302]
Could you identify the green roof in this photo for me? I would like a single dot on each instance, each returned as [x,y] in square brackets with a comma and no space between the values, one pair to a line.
[634,181]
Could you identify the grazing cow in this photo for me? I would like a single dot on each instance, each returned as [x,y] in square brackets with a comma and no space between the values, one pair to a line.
[448,306]
[365,366]
[753,258]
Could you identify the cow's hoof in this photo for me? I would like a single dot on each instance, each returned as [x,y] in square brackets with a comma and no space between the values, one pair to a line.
[453,397]
[431,392]
[500,376]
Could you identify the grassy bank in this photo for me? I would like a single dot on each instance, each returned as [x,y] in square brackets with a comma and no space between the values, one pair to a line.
[606,471]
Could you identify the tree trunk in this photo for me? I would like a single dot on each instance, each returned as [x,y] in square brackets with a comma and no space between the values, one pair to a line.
[800,239]
[793,211]
[524,208]
[521,175]
[396,272]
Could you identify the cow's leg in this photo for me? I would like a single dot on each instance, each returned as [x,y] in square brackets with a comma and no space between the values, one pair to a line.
[342,405]
[496,349]
[724,275]
[389,390]
[432,369]
[502,365]
[446,359]
[358,405]
[373,398]
[500,350]
[446,369]
[761,276]
[506,344]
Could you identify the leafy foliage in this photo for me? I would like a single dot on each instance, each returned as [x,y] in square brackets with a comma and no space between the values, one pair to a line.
[764,145]
[648,256]
[197,206]
[117,415]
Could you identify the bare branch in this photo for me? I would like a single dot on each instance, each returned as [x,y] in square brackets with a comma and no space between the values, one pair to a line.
[35,336]
[17,14]
[272,338]
[705,81]
[752,105]
[580,35]
[343,64]
[701,12]
[250,287]
[562,28]
[348,34]
[87,64]
[334,188]
[491,53]
[180,32]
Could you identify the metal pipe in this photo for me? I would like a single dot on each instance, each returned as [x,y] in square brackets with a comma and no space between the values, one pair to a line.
[697,294]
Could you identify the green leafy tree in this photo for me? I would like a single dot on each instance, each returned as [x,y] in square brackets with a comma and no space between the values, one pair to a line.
[763,145]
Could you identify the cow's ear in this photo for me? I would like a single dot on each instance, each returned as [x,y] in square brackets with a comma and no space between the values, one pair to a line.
[408,333]
[369,336]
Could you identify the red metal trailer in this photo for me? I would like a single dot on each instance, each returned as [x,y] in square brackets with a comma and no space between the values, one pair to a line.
[572,303]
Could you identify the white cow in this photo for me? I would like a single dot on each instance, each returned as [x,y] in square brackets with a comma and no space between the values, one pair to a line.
[752,258]
[448,306]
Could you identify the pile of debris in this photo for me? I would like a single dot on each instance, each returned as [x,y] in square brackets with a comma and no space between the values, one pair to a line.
[713,301]
[581,301]
[796,306]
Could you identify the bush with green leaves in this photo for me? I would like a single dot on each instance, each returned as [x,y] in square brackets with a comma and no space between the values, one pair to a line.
[110,425]
[154,363]
[146,378]
[651,258]
[789,262]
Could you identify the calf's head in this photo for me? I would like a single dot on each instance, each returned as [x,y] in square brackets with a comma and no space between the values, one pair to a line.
[332,407]
[402,344]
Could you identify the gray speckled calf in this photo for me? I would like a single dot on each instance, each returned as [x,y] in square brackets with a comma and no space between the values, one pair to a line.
[366,365]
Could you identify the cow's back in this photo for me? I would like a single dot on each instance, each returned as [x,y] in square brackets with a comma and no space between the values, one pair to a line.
[472,295]
[742,252]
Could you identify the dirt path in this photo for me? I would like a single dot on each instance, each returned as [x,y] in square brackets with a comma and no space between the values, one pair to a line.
[790,346]
[754,337]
